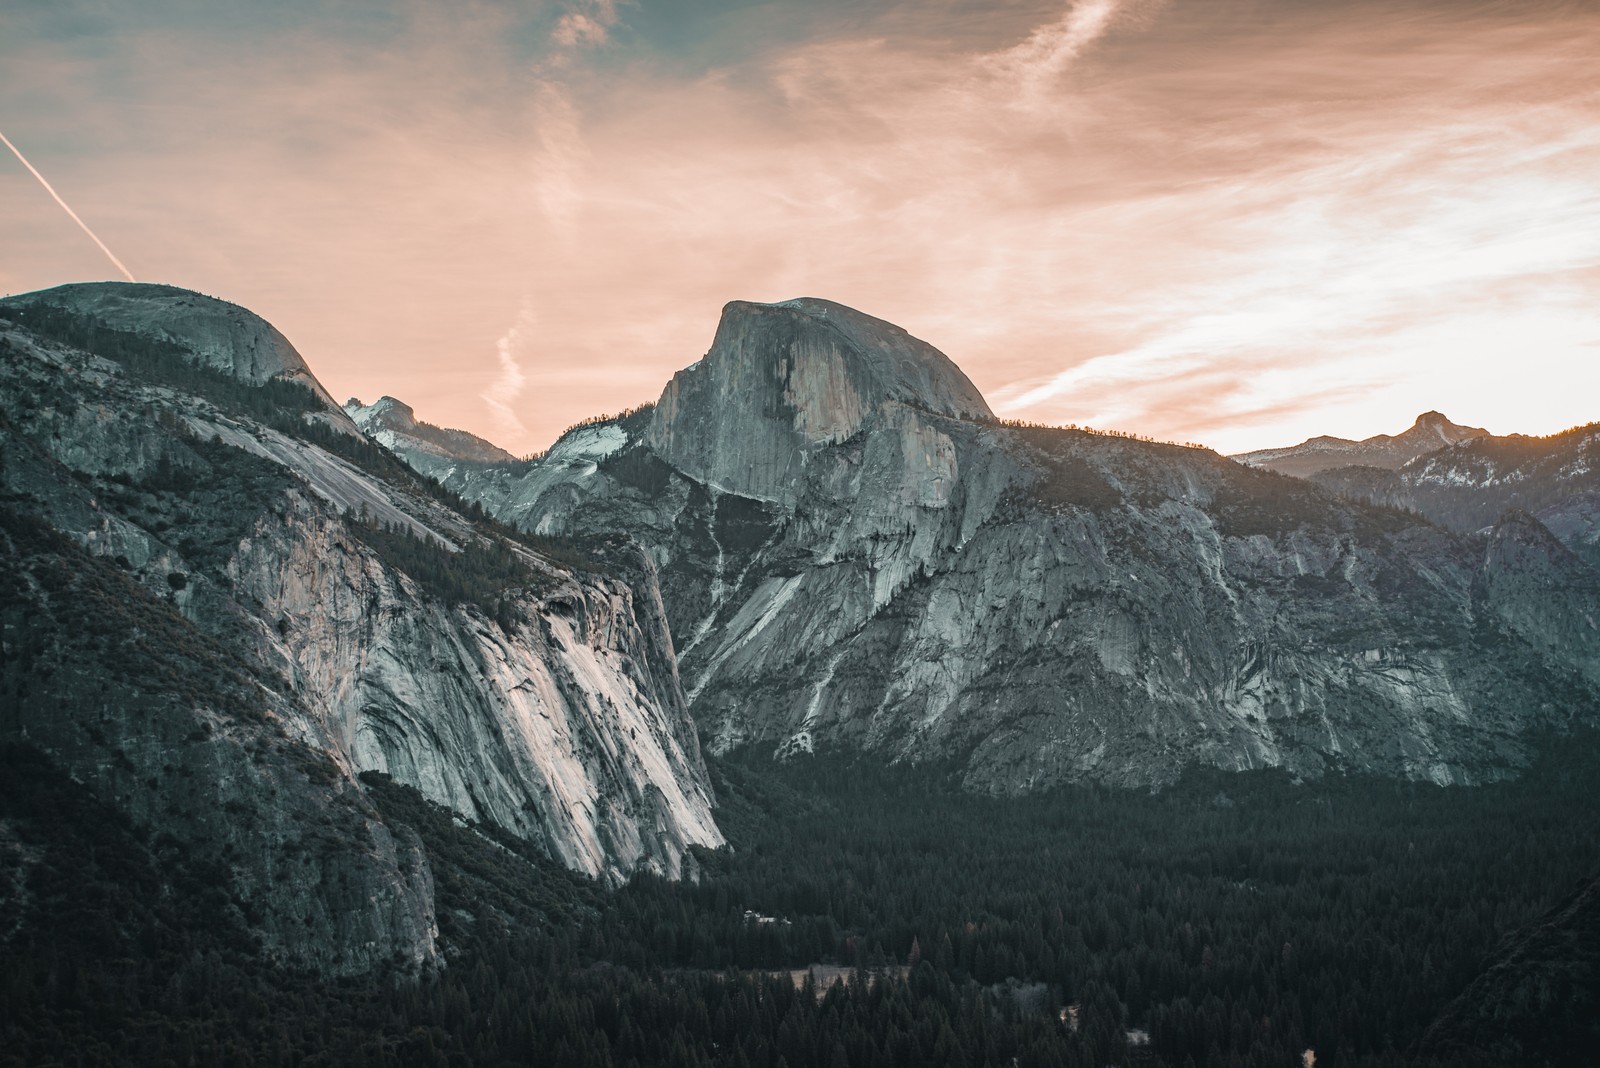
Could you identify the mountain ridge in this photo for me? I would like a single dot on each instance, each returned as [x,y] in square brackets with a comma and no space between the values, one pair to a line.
[385,629]
[1466,487]
[1432,430]
[912,578]
[428,448]
[225,336]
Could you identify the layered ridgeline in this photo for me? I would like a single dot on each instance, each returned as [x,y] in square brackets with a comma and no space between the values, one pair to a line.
[222,603]
[1468,486]
[853,552]
[1462,478]
[1432,431]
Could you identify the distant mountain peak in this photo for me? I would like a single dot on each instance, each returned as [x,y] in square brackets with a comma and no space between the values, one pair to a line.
[385,407]
[1436,426]
[1432,430]
[431,449]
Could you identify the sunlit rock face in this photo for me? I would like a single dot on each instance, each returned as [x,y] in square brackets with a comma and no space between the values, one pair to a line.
[563,721]
[553,709]
[849,562]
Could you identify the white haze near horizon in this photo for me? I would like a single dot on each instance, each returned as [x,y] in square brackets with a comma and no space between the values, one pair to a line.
[1243,224]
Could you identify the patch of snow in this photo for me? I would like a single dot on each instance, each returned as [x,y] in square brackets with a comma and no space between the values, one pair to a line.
[590,442]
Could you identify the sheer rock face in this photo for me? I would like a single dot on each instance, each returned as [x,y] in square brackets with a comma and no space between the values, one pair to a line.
[783,381]
[558,715]
[869,569]
[566,726]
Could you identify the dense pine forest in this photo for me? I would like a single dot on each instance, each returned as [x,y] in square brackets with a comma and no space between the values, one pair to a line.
[1233,919]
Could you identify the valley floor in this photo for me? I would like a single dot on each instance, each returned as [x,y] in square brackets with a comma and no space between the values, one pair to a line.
[1229,920]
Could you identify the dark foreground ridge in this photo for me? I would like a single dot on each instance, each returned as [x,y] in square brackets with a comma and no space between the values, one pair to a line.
[1229,919]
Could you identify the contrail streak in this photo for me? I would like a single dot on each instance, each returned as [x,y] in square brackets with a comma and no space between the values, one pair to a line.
[48,188]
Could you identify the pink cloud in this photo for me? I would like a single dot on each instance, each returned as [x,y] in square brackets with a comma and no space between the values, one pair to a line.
[1176,220]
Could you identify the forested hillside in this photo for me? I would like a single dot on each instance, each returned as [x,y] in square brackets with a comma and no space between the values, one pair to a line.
[1231,919]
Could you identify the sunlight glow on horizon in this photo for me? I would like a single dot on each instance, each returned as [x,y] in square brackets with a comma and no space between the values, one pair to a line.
[1243,226]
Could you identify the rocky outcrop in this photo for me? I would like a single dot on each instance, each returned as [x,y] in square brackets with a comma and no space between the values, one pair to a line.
[1432,431]
[431,450]
[783,381]
[134,702]
[1540,590]
[383,630]
[216,334]
[847,562]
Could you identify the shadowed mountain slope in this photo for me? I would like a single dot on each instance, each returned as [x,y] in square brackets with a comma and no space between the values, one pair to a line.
[1467,486]
[366,620]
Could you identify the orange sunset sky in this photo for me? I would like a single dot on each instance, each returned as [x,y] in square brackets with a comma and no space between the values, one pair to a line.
[1241,222]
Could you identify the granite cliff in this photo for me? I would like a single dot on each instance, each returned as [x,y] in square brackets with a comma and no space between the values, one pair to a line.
[183,476]
[853,552]
[783,381]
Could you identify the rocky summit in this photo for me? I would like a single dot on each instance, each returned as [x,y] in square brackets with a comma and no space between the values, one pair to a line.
[433,451]
[855,554]
[784,381]
[215,333]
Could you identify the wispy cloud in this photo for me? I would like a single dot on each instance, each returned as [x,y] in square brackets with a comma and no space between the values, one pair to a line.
[1242,222]
[506,389]
[1398,254]
[1036,63]
[557,164]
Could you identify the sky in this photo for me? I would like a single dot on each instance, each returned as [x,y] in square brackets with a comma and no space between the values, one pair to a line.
[1237,222]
